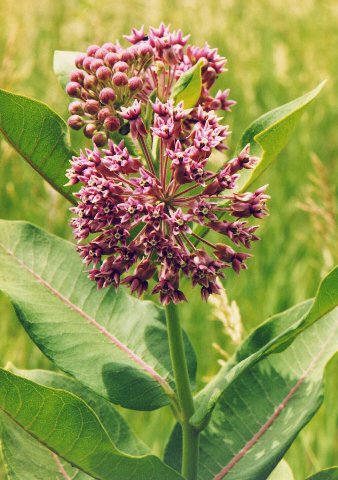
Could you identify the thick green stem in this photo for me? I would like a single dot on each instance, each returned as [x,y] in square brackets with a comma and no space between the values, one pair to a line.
[180,368]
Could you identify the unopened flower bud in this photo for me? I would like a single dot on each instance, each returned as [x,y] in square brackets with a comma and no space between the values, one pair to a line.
[91,50]
[127,56]
[109,46]
[135,83]
[169,56]
[101,53]
[92,107]
[77,76]
[107,95]
[75,122]
[112,124]
[120,79]
[111,58]
[100,139]
[87,62]
[96,64]
[209,75]
[89,130]
[103,114]
[121,67]
[79,60]
[103,73]
[76,108]
[145,50]
[73,89]
[90,82]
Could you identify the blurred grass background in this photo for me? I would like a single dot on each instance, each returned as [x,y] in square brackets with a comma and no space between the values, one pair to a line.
[277,50]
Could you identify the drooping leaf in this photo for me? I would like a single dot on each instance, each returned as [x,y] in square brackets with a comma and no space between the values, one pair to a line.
[269,134]
[39,135]
[111,342]
[64,64]
[327,474]
[274,335]
[27,459]
[188,86]
[70,428]
[115,425]
[261,412]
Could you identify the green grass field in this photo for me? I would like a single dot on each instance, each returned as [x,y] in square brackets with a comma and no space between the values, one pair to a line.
[277,50]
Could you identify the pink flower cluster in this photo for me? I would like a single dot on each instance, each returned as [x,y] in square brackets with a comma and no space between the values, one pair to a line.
[136,214]
[109,76]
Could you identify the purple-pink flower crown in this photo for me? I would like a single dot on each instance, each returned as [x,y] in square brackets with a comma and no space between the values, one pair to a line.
[137,212]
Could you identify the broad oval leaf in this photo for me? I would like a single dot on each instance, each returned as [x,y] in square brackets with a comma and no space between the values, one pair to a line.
[27,459]
[115,425]
[40,136]
[69,427]
[270,337]
[188,86]
[64,64]
[257,418]
[269,133]
[111,342]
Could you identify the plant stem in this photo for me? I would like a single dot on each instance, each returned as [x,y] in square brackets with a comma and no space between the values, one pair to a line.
[180,368]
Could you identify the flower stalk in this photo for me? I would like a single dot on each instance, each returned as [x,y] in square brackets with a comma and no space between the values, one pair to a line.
[185,398]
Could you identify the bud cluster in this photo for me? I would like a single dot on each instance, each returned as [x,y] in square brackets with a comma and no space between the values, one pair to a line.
[136,214]
[106,78]
[109,76]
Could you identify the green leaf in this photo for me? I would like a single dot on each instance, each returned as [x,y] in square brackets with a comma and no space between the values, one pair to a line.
[27,459]
[261,412]
[115,425]
[39,135]
[70,428]
[269,134]
[327,474]
[281,472]
[272,336]
[188,87]
[64,64]
[111,342]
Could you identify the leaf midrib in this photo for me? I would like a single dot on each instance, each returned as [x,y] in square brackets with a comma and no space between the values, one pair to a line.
[278,410]
[120,345]
[60,466]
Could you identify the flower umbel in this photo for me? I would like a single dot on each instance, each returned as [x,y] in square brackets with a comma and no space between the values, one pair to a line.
[136,214]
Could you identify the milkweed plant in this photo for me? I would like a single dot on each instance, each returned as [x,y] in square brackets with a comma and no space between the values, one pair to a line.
[153,217]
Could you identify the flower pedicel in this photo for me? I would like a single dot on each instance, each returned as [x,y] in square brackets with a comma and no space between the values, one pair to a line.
[135,215]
